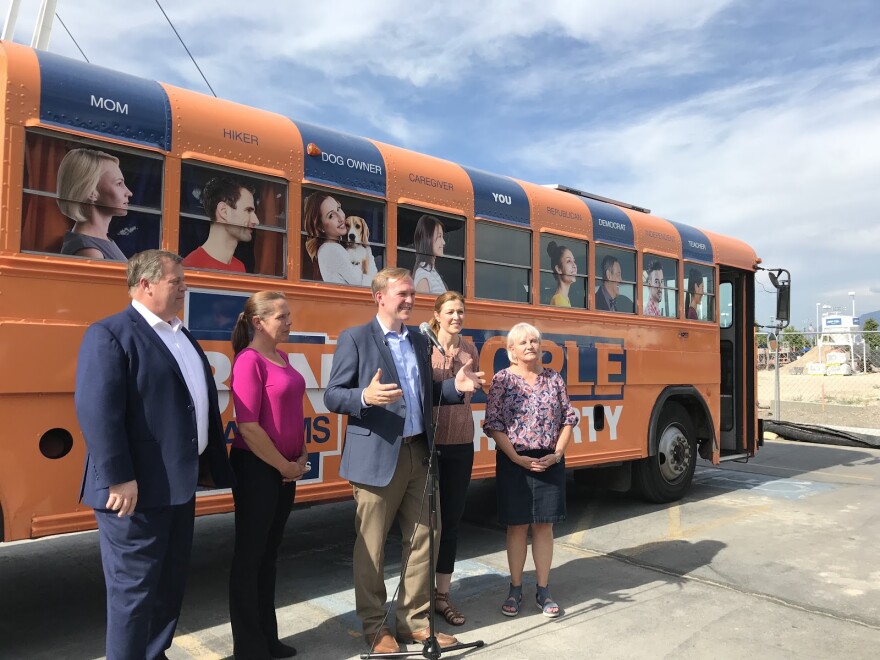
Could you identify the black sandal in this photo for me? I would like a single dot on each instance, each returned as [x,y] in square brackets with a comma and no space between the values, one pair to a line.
[453,616]
[510,606]
[546,604]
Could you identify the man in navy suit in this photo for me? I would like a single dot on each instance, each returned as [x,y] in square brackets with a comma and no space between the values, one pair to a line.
[381,379]
[147,406]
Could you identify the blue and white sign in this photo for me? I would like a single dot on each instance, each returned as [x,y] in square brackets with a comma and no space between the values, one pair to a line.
[342,160]
[499,198]
[695,245]
[96,100]
[610,223]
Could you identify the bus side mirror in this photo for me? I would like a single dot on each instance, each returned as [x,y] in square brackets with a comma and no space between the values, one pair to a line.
[781,279]
[783,302]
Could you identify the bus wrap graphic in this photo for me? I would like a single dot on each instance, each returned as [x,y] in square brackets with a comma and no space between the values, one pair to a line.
[593,367]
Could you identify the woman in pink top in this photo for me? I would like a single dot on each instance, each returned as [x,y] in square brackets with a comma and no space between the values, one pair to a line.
[268,456]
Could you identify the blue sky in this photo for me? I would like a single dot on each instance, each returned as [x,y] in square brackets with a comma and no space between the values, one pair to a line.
[755,119]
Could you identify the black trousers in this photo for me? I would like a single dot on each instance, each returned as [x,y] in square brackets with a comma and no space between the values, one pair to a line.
[262,506]
[455,463]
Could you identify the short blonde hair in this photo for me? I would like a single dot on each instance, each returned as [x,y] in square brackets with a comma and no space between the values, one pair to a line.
[520,330]
[386,275]
[78,177]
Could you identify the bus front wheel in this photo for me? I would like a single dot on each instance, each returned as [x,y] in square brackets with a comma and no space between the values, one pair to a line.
[666,476]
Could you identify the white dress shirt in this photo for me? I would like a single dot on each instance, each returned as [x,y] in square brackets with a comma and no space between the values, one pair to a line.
[191,365]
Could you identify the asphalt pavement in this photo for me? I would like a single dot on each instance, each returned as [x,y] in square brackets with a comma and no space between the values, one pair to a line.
[773,559]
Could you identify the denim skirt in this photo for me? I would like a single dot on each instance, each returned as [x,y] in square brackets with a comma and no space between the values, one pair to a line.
[526,497]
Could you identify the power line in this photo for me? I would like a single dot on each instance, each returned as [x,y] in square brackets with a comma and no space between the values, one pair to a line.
[69,34]
[186,49]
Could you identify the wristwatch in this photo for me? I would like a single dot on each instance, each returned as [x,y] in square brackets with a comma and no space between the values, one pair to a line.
[558,458]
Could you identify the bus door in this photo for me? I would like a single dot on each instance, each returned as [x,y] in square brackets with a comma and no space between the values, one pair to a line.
[737,317]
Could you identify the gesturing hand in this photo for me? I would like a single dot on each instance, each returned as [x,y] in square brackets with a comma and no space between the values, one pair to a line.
[467,380]
[379,394]
[123,498]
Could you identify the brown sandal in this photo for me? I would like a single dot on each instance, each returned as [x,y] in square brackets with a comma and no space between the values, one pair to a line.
[444,608]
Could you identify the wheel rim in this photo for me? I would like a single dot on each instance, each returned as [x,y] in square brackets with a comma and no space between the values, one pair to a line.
[673,453]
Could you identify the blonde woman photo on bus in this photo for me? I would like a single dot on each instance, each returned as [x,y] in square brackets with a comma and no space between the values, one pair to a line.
[91,192]
[268,456]
[429,242]
[455,442]
[564,272]
[325,225]
[530,418]
[694,295]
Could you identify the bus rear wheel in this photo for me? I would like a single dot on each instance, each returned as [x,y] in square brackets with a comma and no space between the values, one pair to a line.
[666,476]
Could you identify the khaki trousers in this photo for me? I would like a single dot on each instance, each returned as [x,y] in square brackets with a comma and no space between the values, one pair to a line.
[404,498]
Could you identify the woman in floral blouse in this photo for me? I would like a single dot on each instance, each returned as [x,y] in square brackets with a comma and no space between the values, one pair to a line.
[530,418]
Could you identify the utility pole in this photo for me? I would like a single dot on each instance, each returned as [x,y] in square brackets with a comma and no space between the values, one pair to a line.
[43,28]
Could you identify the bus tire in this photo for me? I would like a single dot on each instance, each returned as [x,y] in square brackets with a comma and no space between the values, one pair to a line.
[666,476]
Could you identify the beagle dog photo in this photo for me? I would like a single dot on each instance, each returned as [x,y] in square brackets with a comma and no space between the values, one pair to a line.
[357,241]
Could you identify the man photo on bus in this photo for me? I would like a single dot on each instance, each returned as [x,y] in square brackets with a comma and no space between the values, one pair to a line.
[608,296]
[654,281]
[147,406]
[381,379]
[231,209]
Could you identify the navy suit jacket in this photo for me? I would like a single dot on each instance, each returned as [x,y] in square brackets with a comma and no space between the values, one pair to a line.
[622,303]
[373,434]
[138,418]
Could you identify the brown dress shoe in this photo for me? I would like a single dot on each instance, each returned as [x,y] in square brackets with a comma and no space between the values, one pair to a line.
[420,636]
[384,641]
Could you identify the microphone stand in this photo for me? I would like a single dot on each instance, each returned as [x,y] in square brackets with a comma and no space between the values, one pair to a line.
[431,647]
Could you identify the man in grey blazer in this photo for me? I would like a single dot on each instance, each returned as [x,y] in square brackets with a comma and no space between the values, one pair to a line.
[381,379]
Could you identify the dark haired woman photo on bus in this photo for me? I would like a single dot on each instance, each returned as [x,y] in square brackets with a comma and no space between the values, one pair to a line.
[429,243]
[530,418]
[91,192]
[454,438]
[268,456]
[694,295]
[326,228]
[564,272]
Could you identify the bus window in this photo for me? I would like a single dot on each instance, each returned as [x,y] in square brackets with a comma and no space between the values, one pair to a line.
[659,286]
[725,292]
[87,199]
[343,238]
[502,269]
[564,280]
[431,246]
[615,276]
[232,221]
[699,297]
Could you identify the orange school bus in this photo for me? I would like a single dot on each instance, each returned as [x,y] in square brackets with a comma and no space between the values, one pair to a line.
[649,321]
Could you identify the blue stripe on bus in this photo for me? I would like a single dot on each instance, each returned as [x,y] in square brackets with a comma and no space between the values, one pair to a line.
[499,198]
[610,223]
[695,246]
[211,316]
[345,161]
[103,102]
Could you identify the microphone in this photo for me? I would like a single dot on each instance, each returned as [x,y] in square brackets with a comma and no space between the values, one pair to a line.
[425,329]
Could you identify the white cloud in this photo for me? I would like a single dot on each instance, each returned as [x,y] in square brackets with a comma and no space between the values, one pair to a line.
[783,158]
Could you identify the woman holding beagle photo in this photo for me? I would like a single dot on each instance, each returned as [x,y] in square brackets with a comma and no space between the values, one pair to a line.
[328,230]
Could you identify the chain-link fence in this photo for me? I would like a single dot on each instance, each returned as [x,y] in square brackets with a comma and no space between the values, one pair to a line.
[830,379]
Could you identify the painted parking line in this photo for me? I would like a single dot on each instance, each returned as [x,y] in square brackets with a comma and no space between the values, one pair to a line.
[790,489]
